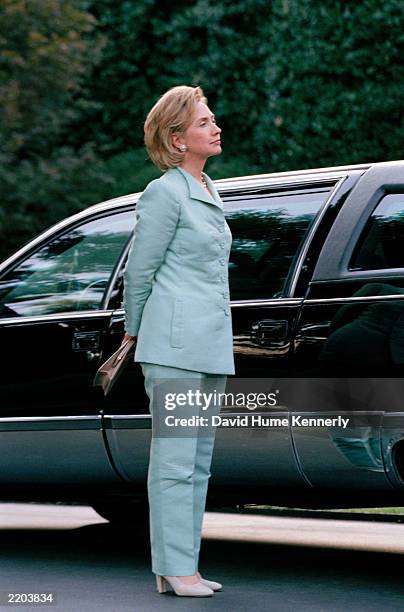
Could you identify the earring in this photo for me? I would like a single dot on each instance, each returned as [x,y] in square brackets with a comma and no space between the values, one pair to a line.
[183,148]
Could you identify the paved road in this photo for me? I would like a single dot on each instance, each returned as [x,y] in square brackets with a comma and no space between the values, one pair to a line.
[266,563]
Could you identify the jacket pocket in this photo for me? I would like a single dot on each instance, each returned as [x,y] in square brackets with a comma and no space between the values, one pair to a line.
[177,324]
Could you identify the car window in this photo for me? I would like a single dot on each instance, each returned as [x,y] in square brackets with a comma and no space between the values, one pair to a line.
[268,232]
[70,272]
[381,243]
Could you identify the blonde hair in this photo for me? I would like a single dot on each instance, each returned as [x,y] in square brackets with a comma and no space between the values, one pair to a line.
[172,114]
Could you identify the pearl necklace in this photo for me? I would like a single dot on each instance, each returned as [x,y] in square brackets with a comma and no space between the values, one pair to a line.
[204,183]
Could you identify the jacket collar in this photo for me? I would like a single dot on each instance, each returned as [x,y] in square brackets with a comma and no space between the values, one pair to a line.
[197,192]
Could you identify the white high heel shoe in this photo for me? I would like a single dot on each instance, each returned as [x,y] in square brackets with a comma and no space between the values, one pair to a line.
[211,584]
[180,588]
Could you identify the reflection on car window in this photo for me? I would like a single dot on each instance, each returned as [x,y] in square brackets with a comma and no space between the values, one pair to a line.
[381,244]
[68,274]
[267,234]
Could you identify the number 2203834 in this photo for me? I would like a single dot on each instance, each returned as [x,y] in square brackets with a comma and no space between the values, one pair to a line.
[10,598]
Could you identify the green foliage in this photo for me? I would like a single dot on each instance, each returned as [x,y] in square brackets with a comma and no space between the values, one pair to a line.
[132,170]
[293,83]
[47,49]
[154,45]
[335,76]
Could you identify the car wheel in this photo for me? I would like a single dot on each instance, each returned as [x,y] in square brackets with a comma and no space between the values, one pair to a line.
[124,511]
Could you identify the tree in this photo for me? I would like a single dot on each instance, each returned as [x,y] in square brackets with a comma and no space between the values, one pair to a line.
[294,83]
[153,45]
[334,80]
[47,49]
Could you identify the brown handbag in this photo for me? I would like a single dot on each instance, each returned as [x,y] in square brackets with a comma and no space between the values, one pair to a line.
[109,372]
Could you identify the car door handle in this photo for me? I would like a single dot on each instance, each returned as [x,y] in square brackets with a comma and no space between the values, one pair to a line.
[270,330]
[86,341]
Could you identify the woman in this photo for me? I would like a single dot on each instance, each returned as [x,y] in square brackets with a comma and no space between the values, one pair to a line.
[176,300]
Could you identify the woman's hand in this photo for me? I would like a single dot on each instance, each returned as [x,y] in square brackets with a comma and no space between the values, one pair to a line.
[127,337]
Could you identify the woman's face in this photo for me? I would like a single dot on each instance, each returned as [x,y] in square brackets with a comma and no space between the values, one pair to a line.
[203,135]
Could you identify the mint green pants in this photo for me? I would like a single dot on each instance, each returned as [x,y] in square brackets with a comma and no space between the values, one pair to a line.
[178,475]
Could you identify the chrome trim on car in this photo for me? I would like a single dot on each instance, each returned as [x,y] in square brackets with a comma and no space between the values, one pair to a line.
[267,302]
[121,312]
[134,421]
[275,184]
[50,423]
[248,303]
[78,417]
[329,172]
[90,314]
[365,298]
[312,232]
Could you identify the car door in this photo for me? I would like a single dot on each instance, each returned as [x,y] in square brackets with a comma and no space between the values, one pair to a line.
[53,322]
[349,341]
[270,226]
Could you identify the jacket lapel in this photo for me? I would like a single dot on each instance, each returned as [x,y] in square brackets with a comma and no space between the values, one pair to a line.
[197,192]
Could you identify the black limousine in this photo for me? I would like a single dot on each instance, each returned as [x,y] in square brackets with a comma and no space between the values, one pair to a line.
[317,295]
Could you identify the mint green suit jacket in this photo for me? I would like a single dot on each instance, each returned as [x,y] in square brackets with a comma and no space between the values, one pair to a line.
[176,289]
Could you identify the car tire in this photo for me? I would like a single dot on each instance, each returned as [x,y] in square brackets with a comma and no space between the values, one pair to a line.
[124,511]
